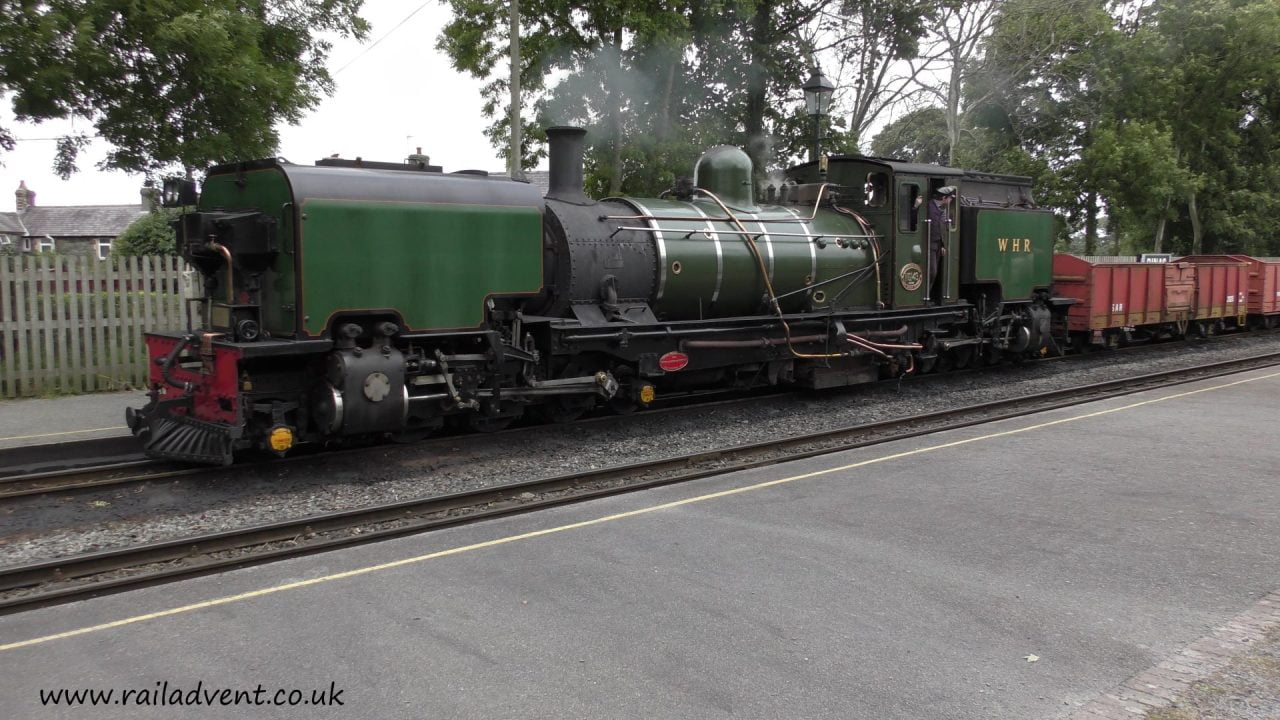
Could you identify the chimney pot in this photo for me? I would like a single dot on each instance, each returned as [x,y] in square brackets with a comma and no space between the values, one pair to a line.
[23,197]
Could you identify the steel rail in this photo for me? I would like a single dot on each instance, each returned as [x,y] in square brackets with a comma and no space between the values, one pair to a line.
[65,579]
[91,475]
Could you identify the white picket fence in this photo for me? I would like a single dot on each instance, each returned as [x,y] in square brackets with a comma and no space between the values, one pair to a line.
[74,324]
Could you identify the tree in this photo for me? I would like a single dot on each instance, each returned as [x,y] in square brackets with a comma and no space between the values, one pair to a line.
[918,136]
[1216,63]
[872,41]
[151,234]
[598,51]
[654,83]
[1041,89]
[962,26]
[169,82]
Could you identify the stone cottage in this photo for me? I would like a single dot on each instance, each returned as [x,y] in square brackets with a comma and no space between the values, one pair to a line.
[66,229]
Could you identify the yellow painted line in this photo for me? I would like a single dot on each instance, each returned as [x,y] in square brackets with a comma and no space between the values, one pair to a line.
[226,600]
[67,432]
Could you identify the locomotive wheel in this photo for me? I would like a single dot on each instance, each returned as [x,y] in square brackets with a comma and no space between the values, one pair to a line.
[562,409]
[479,422]
[623,406]
[408,437]
[565,409]
[962,356]
[927,360]
[485,424]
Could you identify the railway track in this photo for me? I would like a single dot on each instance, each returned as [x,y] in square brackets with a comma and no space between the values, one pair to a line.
[72,578]
[107,462]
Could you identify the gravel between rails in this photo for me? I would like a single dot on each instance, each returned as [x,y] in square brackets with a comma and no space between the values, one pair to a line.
[41,528]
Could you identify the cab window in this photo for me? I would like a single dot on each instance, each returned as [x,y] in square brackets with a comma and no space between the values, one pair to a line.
[908,200]
[876,189]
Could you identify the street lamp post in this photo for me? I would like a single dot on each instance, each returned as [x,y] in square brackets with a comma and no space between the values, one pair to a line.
[817,101]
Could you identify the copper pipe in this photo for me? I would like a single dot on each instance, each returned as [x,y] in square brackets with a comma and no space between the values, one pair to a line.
[764,275]
[697,231]
[884,346]
[225,253]
[875,247]
[884,333]
[867,346]
[760,342]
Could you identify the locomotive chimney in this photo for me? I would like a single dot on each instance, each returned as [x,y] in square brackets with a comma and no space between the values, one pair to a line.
[565,182]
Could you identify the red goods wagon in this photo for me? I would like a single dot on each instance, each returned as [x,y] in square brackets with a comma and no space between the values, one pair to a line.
[1264,283]
[1114,296]
[1222,288]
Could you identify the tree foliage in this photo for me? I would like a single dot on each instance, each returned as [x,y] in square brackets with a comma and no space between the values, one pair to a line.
[918,136]
[1153,116]
[1146,123]
[654,83]
[169,82]
[151,234]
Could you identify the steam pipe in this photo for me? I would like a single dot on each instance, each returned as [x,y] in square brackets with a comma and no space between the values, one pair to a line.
[166,364]
[882,346]
[619,334]
[884,333]
[225,253]
[867,346]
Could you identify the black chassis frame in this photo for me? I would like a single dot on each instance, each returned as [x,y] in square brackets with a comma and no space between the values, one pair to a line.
[642,345]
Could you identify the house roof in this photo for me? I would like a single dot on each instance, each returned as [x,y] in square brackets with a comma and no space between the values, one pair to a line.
[79,220]
[9,224]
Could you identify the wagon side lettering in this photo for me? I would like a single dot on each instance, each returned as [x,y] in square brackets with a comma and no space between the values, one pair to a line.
[1004,244]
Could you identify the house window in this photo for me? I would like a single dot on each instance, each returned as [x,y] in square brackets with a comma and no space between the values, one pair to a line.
[26,244]
[5,241]
[104,248]
[908,201]
[47,244]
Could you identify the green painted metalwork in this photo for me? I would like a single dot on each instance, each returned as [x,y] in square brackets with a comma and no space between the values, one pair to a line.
[726,171]
[710,270]
[434,263]
[266,191]
[1015,249]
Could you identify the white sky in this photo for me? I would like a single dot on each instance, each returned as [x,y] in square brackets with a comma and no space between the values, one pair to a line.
[400,95]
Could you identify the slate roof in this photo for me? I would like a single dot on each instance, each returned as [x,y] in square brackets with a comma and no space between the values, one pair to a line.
[9,224]
[75,220]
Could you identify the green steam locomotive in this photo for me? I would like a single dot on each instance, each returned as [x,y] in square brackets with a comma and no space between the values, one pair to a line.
[359,300]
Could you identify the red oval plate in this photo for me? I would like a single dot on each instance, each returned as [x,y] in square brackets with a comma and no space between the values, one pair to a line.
[673,361]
